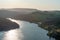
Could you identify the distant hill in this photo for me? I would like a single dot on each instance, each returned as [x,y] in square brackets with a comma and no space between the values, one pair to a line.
[28,14]
[13,12]
[38,15]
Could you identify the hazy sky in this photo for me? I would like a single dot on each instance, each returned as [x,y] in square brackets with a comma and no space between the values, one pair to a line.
[38,4]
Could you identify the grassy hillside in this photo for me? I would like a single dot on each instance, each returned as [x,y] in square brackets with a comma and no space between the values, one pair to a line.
[38,16]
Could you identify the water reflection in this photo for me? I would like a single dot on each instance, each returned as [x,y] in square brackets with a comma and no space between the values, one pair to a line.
[13,35]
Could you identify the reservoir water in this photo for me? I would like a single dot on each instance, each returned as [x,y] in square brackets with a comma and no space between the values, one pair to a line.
[27,31]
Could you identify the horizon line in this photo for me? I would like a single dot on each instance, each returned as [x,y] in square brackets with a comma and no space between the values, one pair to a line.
[35,9]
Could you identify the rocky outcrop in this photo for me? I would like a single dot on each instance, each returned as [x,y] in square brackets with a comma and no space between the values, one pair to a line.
[6,24]
[55,35]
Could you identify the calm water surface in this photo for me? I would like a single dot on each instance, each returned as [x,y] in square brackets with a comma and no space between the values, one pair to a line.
[27,31]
